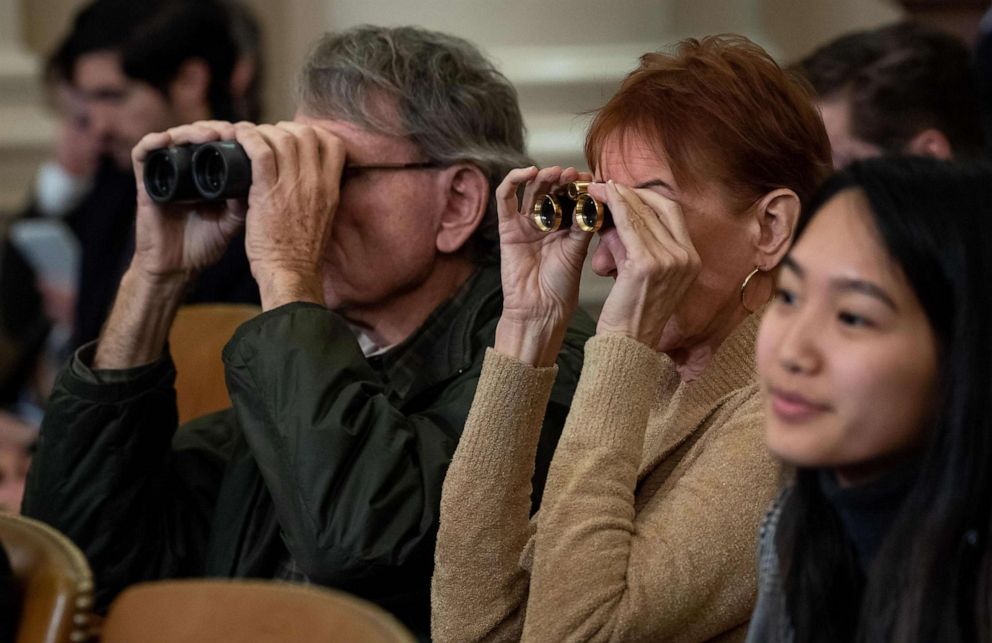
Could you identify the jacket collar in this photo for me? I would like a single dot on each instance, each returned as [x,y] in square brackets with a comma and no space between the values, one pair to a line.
[444,344]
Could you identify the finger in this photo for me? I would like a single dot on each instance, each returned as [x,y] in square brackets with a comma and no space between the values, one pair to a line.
[629,224]
[597,190]
[332,154]
[640,214]
[285,147]
[223,128]
[506,192]
[545,180]
[193,134]
[264,167]
[149,143]
[568,175]
[670,213]
[586,176]
[307,143]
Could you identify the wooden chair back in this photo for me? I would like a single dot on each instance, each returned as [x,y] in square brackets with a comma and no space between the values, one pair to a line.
[55,581]
[225,611]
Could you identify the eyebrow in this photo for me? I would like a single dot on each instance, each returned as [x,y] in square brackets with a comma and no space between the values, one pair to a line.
[846,284]
[654,183]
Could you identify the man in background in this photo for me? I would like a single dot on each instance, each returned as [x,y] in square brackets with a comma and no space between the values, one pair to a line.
[899,89]
[126,69]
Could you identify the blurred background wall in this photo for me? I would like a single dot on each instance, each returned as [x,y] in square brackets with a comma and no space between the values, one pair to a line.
[565,57]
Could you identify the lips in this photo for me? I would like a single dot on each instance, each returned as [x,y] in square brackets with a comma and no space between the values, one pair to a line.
[794,408]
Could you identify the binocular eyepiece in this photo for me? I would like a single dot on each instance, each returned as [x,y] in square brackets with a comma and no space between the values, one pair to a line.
[192,173]
[573,202]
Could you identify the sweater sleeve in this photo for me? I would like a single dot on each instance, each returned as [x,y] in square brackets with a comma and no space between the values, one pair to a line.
[479,588]
[679,565]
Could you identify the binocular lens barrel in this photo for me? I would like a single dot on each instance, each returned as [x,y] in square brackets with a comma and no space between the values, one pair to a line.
[193,173]
[556,211]
[168,176]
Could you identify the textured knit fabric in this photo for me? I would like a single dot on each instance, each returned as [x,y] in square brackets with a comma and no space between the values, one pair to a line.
[647,529]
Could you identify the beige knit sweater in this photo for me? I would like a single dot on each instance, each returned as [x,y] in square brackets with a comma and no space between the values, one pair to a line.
[648,525]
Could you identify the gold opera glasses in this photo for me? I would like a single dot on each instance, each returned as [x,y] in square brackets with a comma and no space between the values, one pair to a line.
[557,210]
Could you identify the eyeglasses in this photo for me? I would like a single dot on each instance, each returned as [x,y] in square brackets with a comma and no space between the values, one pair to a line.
[350,171]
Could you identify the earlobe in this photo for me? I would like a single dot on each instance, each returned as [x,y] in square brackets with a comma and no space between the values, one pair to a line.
[467,197]
[778,211]
[931,142]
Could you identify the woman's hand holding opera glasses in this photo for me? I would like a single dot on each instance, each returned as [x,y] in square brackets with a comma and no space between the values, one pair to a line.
[644,231]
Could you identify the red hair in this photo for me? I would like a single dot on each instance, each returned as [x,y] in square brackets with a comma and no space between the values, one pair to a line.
[722,110]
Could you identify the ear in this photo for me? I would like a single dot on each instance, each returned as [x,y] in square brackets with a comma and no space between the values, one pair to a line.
[466,198]
[930,142]
[776,214]
[188,90]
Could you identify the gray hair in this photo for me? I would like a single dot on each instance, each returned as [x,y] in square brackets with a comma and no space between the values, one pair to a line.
[452,102]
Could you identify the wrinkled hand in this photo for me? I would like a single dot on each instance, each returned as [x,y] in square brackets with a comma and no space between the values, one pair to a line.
[174,240]
[540,271]
[659,267]
[296,177]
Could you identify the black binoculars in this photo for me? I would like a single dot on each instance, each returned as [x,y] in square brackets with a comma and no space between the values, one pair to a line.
[572,202]
[192,173]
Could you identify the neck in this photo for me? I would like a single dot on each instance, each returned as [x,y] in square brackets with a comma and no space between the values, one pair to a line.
[691,361]
[691,357]
[391,322]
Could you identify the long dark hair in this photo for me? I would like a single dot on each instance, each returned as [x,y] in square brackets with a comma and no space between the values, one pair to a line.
[930,580]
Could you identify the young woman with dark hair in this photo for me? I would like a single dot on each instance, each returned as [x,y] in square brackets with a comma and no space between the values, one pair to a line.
[876,364]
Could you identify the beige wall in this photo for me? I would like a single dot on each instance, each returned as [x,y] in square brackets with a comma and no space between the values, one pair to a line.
[565,55]
[787,27]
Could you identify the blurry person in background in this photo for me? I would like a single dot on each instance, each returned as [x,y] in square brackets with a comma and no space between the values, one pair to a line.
[127,69]
[899,89]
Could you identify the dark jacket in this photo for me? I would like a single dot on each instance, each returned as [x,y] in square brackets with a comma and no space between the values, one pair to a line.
[327,460]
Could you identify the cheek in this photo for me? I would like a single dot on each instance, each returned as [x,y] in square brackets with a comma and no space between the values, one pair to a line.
[888,401]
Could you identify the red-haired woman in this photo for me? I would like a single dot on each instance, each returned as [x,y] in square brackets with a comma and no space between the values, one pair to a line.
[648,525]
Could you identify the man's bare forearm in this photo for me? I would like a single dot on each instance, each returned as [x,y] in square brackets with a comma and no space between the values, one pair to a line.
[139,323]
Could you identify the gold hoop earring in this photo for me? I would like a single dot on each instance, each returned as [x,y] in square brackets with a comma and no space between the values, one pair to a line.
[747,282]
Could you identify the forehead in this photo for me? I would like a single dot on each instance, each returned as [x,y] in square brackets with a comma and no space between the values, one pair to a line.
[841,242]
[361,145]
[98,69]
[846,147]
[630,158]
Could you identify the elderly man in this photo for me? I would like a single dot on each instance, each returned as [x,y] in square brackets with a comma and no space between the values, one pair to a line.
[370,228]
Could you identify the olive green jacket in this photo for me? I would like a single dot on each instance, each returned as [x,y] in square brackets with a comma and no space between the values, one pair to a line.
[327,459]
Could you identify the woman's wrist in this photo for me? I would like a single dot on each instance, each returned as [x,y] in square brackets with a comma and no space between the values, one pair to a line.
[532,342]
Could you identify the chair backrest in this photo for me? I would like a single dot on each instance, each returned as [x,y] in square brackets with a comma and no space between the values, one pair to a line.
[196,340]
[225,611]
[57,585]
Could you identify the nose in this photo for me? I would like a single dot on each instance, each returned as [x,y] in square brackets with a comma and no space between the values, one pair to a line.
[101,120]
[798,350]
[604,263]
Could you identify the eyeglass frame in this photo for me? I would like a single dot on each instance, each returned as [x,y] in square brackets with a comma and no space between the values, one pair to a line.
[350,171]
